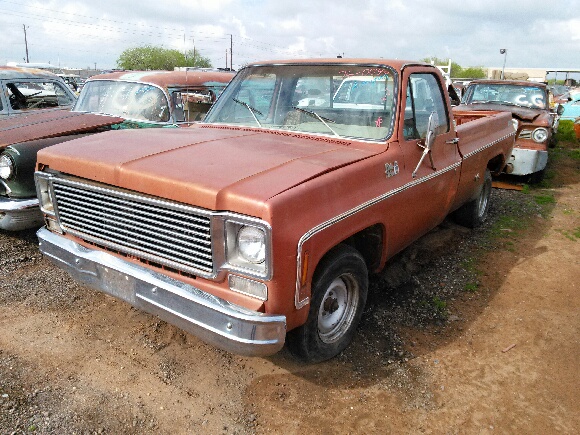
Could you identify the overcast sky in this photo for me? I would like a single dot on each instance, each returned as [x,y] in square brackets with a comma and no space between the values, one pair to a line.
[82,33]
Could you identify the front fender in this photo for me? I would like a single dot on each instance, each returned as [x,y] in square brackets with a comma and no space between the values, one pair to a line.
[23,154]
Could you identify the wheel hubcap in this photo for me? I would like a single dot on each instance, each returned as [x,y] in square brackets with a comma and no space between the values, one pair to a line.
[338,308]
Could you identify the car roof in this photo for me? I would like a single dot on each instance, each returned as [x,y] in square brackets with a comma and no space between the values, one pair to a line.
[167,79]
[395,63]
[19,73]
[508,82]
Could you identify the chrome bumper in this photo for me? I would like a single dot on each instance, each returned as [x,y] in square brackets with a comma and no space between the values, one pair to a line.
[214,320]
[19,214]
[524,161]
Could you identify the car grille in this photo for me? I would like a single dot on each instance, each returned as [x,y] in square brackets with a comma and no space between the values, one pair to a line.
[158,231]
[525,134]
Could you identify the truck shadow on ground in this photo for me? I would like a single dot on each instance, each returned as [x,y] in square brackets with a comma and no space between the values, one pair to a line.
[430,293]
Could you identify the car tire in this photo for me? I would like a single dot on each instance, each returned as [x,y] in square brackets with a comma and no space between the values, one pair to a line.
[474,213]
[339,293]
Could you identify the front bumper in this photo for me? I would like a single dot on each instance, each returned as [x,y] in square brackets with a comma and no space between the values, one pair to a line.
[19,214]
[214,320]
[525,161]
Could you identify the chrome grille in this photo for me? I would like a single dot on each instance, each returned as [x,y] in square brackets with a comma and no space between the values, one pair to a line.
[170,234]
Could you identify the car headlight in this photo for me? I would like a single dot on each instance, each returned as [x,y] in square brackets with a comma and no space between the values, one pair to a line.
[252,244]
[6,167]
[515,123]
[540,135]
[248,249]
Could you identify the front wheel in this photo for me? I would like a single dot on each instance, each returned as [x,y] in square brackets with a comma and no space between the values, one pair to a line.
[339,292]
[474,213]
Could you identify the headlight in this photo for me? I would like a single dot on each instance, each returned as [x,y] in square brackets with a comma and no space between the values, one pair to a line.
[6,167]
[252,244]
[248,247]
[515,124]
[540,135]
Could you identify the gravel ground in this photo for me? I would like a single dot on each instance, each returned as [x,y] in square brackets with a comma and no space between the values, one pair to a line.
[417,292]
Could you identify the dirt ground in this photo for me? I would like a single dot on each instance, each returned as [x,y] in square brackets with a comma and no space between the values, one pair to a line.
[466,332]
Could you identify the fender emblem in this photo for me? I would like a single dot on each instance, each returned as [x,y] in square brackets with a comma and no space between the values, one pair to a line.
[391,169]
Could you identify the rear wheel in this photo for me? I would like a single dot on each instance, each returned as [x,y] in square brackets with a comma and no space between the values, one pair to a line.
[474,213]
[339,292]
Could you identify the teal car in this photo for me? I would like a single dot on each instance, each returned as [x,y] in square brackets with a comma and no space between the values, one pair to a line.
[572,108]
[118,100]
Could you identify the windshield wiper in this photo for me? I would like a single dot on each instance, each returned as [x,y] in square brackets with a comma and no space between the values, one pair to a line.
[252,110]
[317,116]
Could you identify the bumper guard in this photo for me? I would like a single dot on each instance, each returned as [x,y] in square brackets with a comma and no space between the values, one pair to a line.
[19,214]
[214,320]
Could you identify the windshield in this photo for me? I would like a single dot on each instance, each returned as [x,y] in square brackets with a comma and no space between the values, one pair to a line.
[133,101]
[38,95]
[337,100]
[508,94]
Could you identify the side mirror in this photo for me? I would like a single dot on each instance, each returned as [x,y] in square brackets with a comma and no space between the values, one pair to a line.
[432,126]
[560,110]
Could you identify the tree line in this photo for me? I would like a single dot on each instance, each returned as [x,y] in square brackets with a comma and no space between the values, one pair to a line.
[158,58]
[149,57]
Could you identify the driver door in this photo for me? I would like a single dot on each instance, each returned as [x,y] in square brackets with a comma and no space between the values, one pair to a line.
[432,174]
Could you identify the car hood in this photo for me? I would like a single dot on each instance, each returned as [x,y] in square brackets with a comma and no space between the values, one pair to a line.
[50,123]
[523,113]
[217,168]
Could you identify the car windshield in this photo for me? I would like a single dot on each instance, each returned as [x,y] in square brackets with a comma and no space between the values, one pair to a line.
[508,94]
[24,95]
[337,100]
[129,100]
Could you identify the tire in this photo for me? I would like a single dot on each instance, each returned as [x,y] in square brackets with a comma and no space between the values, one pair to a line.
[474,213]
[339,293]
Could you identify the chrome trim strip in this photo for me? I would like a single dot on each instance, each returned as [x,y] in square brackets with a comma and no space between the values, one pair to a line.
[15,204]
[324,225]
[474,152]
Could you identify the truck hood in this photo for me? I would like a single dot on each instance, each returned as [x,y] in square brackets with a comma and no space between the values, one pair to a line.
[217,168]
[43,124]
[523,113]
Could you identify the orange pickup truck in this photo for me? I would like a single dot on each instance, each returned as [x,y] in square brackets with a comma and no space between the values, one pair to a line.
[260,225]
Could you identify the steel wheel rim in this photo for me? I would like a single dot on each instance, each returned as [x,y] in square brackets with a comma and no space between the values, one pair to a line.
[338,308]
[484,198]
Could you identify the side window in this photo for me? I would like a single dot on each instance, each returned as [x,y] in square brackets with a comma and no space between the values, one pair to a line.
[424,96]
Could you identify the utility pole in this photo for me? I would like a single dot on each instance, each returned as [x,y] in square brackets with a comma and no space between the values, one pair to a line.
[25,42]
[231,50]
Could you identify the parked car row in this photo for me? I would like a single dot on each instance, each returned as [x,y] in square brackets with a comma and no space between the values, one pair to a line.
[117,100]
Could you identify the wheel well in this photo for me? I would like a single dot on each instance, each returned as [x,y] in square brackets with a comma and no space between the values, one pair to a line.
[369,242]
[496,164]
